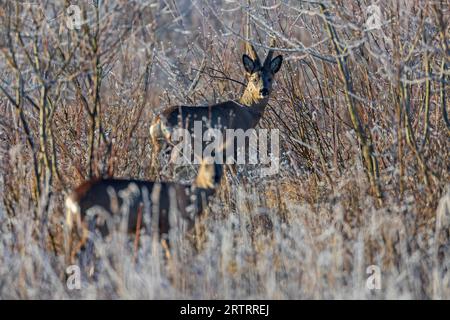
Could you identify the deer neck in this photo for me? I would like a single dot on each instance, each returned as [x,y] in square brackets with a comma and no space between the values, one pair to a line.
[258,104]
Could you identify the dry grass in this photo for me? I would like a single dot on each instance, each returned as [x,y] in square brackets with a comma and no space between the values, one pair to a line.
[78,103]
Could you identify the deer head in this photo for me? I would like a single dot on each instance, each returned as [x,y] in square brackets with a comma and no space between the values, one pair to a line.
[259,76]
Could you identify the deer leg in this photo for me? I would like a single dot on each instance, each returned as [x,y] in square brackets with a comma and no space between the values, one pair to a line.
[157,140]
[68,238]
[156,167]
[73,219]
[84,236]
[166,247]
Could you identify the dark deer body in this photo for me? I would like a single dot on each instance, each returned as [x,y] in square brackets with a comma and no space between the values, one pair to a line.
[110,194]
[225,115]
[113,197]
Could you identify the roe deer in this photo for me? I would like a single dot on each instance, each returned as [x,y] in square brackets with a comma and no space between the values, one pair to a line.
[243,114]
[116,196]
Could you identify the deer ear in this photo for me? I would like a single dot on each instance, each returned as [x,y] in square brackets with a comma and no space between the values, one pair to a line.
[249,64]
[275,64]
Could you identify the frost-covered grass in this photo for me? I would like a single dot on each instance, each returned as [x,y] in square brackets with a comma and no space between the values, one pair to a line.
[313,251]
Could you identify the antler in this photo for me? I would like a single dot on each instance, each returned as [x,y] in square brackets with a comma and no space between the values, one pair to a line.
[270,53]
[251,51]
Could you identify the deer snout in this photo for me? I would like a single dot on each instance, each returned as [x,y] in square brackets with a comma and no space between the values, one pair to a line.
[264,92]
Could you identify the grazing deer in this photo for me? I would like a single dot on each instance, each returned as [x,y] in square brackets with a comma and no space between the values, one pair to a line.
[243,114]
[116,196]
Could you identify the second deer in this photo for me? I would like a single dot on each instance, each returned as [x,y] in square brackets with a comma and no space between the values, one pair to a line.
[102,201]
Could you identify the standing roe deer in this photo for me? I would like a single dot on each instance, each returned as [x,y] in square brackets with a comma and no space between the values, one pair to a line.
[116,196]
[243,114]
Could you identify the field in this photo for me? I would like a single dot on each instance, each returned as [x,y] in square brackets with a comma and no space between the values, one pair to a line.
[360,207]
